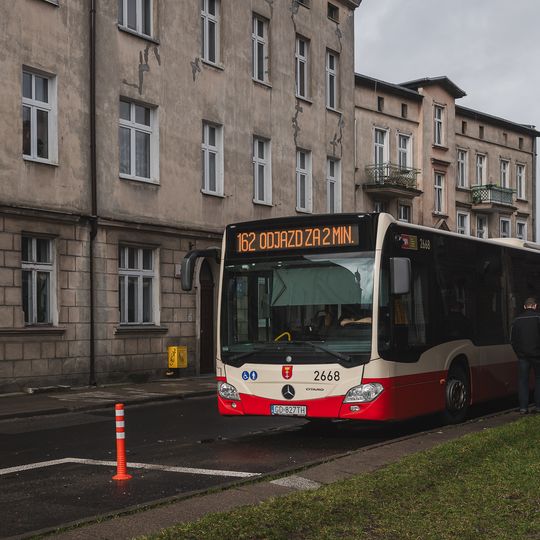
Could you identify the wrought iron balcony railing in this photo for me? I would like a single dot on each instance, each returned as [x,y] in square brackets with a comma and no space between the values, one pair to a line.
[392,175]
[490,193]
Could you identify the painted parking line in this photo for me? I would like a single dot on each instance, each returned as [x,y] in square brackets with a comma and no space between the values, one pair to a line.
[148,466]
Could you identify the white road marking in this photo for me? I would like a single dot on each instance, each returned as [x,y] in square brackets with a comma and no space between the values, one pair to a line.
[149,466]
[296,482]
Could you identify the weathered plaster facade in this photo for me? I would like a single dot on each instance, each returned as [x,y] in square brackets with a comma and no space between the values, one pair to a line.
[168,214]
[408,110]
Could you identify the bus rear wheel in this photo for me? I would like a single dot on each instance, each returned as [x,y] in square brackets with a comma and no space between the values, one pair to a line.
[457,395]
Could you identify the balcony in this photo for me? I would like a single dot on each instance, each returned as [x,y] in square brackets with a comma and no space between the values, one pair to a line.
[387,181]
[490,198]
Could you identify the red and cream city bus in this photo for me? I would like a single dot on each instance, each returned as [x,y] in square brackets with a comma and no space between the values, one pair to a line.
[362,317]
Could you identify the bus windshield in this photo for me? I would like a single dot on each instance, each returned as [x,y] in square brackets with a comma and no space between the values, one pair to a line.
[318,305]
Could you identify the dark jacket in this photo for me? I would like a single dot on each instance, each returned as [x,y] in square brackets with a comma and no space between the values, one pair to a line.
[525,334]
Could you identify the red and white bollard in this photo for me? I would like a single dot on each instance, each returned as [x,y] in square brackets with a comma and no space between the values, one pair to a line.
[121,466]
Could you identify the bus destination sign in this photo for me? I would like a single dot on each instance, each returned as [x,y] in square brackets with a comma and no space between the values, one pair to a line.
[316,236]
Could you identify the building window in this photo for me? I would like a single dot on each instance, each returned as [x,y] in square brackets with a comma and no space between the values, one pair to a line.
[302,67]
[380,103]
[404,110]
[481,227]
[520,181]
[303,181]
[521,230]
[39,116]
[505,138]
[462,176]
[404,213]
[463,127]
[332,62]
[404,151]
[333,186]
[37,264]
[333,12]
[438,125]
[379,206]
[136,285]
[136,15]
[262,172]
[212,159]
[259,38]
[138,142]
[480,169]
[210,30]
[520,143]
[505,165]
[505,230]
[463,225]
[439,193]
[481,132]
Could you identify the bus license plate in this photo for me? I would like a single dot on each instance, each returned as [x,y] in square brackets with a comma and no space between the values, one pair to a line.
[288,410]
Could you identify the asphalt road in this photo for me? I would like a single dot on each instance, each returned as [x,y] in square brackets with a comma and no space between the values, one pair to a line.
[194,447]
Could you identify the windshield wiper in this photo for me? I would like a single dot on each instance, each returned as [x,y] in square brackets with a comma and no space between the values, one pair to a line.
[318,347]
[264,348]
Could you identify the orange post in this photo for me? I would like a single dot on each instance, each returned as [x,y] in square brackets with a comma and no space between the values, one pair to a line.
[121,466]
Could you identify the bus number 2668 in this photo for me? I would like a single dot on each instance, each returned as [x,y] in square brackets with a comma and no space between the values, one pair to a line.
[326,376]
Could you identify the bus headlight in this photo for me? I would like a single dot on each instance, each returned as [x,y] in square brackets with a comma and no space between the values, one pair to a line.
[228,391]
[363,393]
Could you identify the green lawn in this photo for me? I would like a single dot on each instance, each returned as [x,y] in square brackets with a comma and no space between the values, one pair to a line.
[483,486]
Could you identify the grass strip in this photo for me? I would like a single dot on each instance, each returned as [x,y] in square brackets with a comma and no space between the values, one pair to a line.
[484,485]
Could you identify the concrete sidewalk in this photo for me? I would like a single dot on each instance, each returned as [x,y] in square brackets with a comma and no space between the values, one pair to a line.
[20,405]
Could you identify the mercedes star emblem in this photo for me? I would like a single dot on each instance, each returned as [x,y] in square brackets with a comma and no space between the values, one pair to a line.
[287,391]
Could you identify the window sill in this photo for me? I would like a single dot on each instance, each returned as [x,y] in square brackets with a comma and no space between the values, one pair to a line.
[33,331]
[139,179]
[463,188]
[518,199]
[335,111]
[42,161]
[441,215]
[137,34]
[304,99]
[212,194]
[214,65]
[137,329]
[264,84]
[440,147]
[304,210]
[52,2]
[262,203]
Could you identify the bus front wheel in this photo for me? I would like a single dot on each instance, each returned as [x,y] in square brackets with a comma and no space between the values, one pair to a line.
[457,395]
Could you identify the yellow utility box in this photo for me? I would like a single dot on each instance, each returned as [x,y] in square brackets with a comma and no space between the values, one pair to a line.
[177,355]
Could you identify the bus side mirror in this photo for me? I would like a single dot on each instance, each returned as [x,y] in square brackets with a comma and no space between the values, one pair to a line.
[400,275]
[188,265]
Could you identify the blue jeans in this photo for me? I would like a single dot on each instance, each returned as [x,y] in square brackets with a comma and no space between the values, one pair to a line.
[525,365]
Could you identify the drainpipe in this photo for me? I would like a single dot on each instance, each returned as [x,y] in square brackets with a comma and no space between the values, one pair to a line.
[93,184]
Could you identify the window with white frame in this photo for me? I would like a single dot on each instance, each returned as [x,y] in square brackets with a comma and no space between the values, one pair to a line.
[262,171]
[38,273]
[137,134]
[333,185]
[505,229]
[380,153]
[505,167]
[404,213]
[462,169]
[259,38]
[137,285]
[136,15]
[210,27]
[439,193]
[404,151]
[302,67]
[480,169]
[303,181]
[332,63]
[438,125]
[212,159]
[39,115]
[521,230]
[463,223]
[481,226]
[520,181]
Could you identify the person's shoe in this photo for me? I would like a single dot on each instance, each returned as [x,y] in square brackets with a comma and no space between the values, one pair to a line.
[523,411]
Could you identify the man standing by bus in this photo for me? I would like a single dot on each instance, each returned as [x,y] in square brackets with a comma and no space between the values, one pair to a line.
[525,339]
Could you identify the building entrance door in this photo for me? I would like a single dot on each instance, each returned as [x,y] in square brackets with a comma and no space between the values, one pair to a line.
[207,352]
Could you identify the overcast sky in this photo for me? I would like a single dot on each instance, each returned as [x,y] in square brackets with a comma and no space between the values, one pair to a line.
[489,48]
